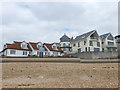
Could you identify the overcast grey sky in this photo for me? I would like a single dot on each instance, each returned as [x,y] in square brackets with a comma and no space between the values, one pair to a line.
[47,22]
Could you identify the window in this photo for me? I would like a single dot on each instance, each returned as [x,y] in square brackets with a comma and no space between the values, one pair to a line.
[54,47]
[45,53]
[64,49]
[79,50]
[98,44]
[23,45]
[114,49]
[64,44]
[93,36]
[78,44]
[109,49]
[69,45]
[24,52]
[110,43]
[12,51]
[84,42]
[102,49]
[38,53]
[91,43]
[74,45]
[89,49]
[96,49]
[29,53]
[39,46]
[110,37]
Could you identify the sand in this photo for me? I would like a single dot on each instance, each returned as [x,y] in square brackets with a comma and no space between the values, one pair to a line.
[59,75]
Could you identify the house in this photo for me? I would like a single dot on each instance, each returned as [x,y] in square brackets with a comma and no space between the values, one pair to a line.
[24,49]
[88,42]
[117,39]
[19,49]
[108,42]
[65,44]
[53,49]
[38,49]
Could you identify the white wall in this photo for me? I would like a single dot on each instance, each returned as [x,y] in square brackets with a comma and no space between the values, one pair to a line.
[18,53]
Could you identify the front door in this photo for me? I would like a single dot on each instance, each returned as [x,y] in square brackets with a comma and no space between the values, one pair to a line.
[40,54]
[79,50]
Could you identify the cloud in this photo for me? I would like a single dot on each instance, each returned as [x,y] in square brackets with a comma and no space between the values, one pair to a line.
[47,22]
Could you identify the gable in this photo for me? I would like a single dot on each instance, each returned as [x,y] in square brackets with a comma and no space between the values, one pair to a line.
[17,45]
[65,38]
[50,47]
[110,37]
[37,46]
[83,36]
[94,35]
[24,45]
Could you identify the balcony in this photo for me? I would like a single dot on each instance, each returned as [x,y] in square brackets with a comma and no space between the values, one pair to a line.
[41,49]
[93,38]
[111,46]
[66,46]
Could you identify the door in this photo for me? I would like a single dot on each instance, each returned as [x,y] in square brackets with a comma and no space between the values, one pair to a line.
[41,54]
[79,50]
[86,49]
[89,49]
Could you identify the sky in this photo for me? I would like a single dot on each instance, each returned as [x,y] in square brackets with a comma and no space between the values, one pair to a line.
[48,21]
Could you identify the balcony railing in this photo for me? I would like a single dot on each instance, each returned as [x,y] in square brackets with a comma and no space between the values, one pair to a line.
[111,45]
[94,38]
[66,46]
[42,49]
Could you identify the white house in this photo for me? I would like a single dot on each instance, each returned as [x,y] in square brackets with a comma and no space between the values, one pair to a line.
[38,49]
[53,49]
[17,49]
[24,49]
[108,42]
[88,42]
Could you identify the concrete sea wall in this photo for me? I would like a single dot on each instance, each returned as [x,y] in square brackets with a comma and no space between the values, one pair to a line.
[97,55]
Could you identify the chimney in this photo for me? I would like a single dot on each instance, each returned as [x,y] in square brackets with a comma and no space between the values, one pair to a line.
[72,39]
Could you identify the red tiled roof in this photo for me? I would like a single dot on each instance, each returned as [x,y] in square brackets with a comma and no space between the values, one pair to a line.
[17,45]
[49,46]
[34,45]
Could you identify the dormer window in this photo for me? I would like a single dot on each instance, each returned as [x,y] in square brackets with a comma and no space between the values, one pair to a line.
[39,47]
[54,47]
[23,45]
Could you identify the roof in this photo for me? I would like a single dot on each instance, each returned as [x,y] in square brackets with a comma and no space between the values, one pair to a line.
[104,36]
[118,36]
[17,45]
[49,46]
[64,38]
[34,46]
[83,36]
